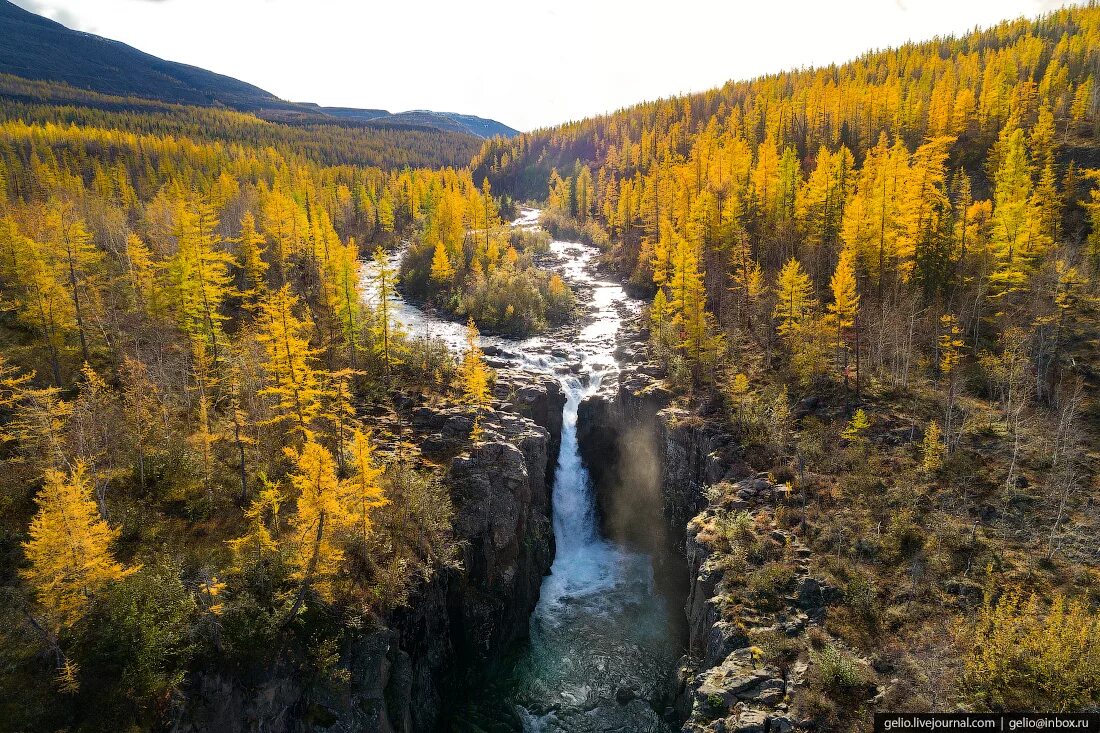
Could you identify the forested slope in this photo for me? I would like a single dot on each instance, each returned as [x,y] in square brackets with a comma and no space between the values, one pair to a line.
[190,369]
[882,278]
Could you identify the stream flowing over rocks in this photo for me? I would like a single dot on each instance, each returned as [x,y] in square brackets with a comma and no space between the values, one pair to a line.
[587,594]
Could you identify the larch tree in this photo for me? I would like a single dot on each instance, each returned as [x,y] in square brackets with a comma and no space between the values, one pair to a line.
[263,525]
[42,301]
[142,272]
[443,272]
[320,514]
[794,297]
[200,277]
[1015,223]
[363,489]
[348,303]
[293,383]
[475,374]
[80,260]
[950,346]
[383,329]
[251,246]
[845,306]
[69,547]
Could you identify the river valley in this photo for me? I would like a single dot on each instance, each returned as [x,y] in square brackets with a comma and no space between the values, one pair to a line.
[606,634]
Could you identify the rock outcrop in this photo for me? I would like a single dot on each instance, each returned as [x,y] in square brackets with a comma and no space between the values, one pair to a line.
[650,458]
[397,677]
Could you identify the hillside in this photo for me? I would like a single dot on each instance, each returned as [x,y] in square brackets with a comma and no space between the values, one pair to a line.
[874,319]
[41,49]
[38,48]
[345,143]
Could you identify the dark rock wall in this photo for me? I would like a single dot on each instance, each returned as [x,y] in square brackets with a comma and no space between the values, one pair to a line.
[400,675]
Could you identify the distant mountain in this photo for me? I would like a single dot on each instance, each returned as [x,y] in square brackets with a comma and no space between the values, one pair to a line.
[452,122]
[37,48]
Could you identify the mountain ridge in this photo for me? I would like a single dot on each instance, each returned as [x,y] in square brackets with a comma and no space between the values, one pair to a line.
[41,49]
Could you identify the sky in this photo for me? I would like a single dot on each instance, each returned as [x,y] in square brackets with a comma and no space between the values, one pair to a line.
[528,65]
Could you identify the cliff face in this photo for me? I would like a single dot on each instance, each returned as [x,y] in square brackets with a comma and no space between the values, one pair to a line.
[649,458]
[397,677]
[665,477]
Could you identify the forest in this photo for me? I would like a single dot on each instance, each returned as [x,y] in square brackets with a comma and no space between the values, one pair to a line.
[882,276]
[188,354]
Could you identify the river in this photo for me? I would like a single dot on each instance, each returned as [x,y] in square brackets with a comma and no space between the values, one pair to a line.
[602,627]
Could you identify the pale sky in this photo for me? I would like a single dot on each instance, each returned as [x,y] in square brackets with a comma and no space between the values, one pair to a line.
[525,64]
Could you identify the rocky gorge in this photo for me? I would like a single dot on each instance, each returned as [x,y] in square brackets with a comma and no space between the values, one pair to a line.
[673,481]
[398,674]
[595,589]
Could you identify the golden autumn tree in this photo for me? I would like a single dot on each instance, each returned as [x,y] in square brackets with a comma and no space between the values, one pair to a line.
[199,275]
[443,272]
[1023,654]
[348,302]
[79,259]
[384,330]
[363,491]
[845,306]
[263,525]
[475,374]
[794,298]
[950,345]
[69,547]
[40,299]
[1016,235]
[293,383]
[141,270]
[690,319]
[316,553]
[250,250]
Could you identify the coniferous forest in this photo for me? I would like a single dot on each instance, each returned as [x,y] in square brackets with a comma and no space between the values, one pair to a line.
[869,292]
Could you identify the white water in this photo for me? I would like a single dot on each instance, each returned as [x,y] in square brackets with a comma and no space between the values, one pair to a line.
[600,623]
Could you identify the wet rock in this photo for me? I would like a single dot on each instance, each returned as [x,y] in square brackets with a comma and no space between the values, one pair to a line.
[634,717]
[623,695]
[493,350]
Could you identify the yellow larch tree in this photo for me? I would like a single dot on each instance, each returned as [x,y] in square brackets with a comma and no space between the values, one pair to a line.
[347,295]
[475,375]
[250,250]
[142,273]
[845,306]
[79,259]
[263,525]
[315,553]
[443,272]
[950,345]
[385,330]
[292,380]
[69,547]
[199,276]
[794,297]
[1016,236]
[363,491]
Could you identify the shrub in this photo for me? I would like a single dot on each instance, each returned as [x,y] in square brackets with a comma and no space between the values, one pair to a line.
[767,582]
[838,672]
[1021,656]
[133,648]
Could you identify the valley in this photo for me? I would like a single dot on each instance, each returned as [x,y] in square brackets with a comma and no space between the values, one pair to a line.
[761,409]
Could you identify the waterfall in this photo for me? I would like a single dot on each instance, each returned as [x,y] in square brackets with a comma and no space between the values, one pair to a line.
[601,624]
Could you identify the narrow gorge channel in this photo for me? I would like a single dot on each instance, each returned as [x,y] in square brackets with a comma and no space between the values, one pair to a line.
[608,628]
